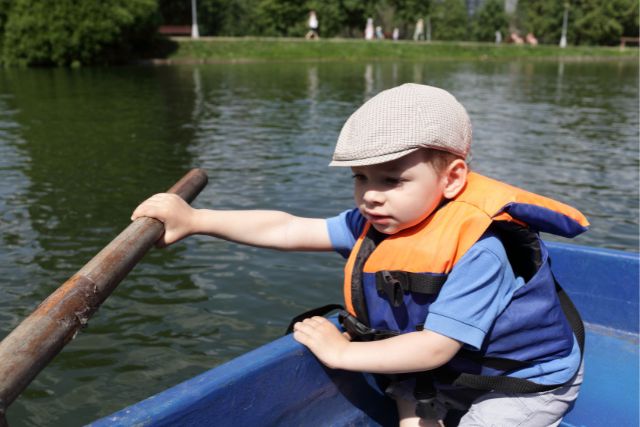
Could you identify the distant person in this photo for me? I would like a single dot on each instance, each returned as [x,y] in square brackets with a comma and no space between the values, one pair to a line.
[369,32]
[395,35]
[379,33]
[515,38]
[531,39]
[498,37]
[448,286]
[312,34]
[418,33]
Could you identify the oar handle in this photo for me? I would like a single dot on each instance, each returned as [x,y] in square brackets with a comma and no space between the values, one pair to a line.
[55,322]
[190,185]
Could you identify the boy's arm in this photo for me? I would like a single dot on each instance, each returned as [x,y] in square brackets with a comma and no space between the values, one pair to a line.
[269,229]
[412,352]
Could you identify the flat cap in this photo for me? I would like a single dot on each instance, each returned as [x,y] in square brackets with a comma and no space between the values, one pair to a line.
[401,120]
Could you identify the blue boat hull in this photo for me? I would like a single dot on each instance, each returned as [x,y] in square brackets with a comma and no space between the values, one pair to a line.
[281,383]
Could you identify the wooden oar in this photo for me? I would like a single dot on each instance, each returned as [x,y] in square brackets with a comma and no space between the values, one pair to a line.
[55,322]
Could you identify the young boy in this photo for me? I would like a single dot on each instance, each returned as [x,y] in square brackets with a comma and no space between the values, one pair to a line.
[447,286]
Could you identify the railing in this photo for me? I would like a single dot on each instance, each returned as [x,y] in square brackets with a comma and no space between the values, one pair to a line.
[56,321]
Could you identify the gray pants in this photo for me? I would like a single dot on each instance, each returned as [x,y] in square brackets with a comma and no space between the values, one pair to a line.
[544,409]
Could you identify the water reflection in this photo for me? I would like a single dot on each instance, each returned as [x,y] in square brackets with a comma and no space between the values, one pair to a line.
[19,242]
[80,148]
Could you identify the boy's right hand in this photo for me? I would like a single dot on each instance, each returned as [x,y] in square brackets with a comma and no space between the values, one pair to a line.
[173,211]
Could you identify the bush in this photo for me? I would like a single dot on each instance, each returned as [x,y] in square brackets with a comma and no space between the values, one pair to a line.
[74,32]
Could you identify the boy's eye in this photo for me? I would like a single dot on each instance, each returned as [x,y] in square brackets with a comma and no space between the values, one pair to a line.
[392,180]
[359,177]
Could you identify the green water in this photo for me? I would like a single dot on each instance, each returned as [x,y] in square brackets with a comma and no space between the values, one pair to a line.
[79,149]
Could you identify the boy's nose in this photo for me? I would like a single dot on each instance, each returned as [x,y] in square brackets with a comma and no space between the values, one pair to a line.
[373,197]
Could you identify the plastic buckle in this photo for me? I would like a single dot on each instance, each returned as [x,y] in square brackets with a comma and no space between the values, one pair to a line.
[393,287]
[430,408]
[355,328]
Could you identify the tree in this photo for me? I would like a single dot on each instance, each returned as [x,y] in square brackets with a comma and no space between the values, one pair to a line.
[593,22]
[342,17]
[603,22]
[5,5]
[271,17]
[631,19]
[490,18]
[281,18]
[354,15]
[175,12]
[226,17]
[73,32]
[449,20]
[407,13]
[544,19]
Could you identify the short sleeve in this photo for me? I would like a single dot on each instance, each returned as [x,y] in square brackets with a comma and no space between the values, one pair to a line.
[344,230]
[477,290]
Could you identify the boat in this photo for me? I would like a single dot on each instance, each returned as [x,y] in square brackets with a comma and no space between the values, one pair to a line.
[282,383]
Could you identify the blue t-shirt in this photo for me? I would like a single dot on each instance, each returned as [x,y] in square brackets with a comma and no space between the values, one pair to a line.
[479,287]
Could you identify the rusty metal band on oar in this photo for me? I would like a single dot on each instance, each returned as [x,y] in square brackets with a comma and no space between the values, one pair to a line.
[55,322]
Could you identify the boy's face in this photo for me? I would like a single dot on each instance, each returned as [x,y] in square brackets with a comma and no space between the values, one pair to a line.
[399,194]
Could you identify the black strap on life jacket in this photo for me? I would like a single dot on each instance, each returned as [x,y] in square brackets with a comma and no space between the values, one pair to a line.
[573,316]
[428,407]
[318,311]
[368,245]
[394,284]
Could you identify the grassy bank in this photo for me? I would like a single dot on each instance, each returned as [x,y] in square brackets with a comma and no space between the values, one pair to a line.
[286,49]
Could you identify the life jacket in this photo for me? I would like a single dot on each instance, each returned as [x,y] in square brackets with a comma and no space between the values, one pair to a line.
[390,281]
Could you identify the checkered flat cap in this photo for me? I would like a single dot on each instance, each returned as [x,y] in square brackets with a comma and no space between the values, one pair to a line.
[401,120]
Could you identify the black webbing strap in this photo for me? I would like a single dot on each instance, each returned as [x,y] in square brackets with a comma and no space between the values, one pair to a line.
[502,384]
[500,363]
[573,316]
[429,284]
[319,311]
[368,245]
[428,407]
[394,284]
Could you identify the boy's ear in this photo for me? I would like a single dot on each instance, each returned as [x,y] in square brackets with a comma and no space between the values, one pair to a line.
[455,178]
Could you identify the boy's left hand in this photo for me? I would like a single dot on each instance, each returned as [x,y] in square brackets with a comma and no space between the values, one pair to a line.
[323,339]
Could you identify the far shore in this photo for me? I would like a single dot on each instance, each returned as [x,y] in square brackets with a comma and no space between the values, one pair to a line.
[178,50]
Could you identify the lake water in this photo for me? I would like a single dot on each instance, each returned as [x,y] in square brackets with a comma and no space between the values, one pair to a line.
[79,149]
